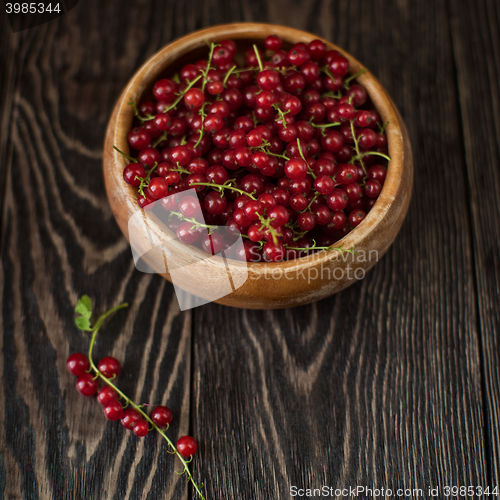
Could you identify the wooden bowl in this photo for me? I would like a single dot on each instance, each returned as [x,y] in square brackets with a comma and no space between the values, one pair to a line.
[263,285]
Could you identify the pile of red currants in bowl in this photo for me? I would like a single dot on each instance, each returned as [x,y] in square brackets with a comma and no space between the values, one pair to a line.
[280,147]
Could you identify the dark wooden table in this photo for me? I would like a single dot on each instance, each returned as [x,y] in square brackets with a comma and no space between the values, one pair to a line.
[392,383]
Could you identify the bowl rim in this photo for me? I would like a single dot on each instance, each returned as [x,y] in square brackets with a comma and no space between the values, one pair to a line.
[158,63]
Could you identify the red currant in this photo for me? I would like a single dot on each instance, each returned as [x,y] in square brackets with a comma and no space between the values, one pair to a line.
[109,367]
[186,446]
[86,384]
[113,410]
[77,363]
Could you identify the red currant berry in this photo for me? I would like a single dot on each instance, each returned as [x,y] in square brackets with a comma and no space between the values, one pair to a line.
[194,98]
[189,206]
[324,184]
[139,138]
[279,214]
[158,188]
[338,66]
[140,428]
[77,363]
[186,233]
[298,202]
[186,446]
[333,141]
[268,79]
[213,243]
[215,203]
[296,169]
[274,252]
[215,88]
[355,217]
[86,384]
[113,410]
[317,49]
[132,172]
[273,42]
[130,417]
[337,199]
[253,209]
[109,367]
[216,174]
[372,188]
[161,416]
[180,155]
[377,173]
[357,94]
[212,123]
[164,90]
[106,394]
[367,138]
[346,174]
[322,215]
[363,118]
[306,221]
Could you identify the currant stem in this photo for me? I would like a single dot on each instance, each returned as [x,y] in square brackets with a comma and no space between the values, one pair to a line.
[335,124]
[128,401]
[359,156]
[162,137]
[353,77]
[376,153]
[133,160]
[181,95]
[223,186]
[145,182]
[137,114]
[193,221]
[310,172]
[227,75]
[257,55]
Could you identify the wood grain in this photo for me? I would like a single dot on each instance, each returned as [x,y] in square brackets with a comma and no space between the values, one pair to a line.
[58,242]
[476,45]
[380,385]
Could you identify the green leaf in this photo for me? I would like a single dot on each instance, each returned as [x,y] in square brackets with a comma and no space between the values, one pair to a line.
[83,323]
[84,307]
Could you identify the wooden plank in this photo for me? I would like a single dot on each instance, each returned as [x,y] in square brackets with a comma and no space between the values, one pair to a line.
[476,44]
[381,384]
[59,241]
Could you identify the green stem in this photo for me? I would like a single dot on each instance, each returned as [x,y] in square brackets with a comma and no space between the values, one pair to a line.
[207,69]
[382,127]
[137,114]
[133,160]
[336,124]
[128,401]
[145,182]
[281,113]
[356,146]
[162,137]
[227,75]
[376,153]
[181,95]
[193,221]
[303,157]
[330,249]
[353,77]
[256,50]
[223,186]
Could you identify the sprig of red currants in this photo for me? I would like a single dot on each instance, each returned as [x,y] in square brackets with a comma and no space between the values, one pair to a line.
[281,150]
[117,406]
